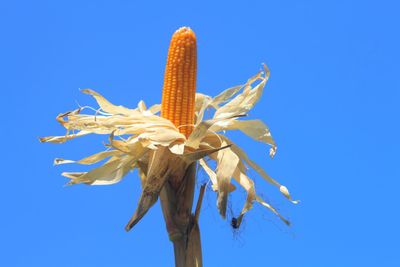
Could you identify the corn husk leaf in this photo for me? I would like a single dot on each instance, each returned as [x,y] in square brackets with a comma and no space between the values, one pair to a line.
[240,176]
[106,105]
[268,206]
[199,154]
[255,129]
[201,104]
[91,159]
[248,185]
[244,101]
[213,176]
[227,94]
[261,172]
[62,139]
[157,174]
[109,173]
[156,147]
[202,129]
[226,162]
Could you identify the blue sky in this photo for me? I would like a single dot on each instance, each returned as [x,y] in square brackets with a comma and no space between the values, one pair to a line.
[332,104]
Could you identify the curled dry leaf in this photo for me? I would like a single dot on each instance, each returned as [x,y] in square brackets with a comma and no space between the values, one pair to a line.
[139,138]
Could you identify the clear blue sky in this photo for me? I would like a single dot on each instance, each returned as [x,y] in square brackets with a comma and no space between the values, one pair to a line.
[332,104]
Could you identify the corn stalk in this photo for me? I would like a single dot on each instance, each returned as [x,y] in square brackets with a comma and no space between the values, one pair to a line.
[182,225]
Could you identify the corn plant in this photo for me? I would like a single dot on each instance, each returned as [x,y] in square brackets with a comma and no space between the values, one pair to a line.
[167,148]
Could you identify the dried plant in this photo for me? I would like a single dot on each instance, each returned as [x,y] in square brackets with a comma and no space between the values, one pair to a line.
[166,149]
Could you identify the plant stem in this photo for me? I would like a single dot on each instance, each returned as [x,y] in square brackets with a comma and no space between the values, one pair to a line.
[182,225]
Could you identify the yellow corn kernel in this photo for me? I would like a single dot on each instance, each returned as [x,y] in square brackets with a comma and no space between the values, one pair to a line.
[180,81]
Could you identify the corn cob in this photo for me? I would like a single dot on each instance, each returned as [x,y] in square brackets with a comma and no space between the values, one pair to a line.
[179,88]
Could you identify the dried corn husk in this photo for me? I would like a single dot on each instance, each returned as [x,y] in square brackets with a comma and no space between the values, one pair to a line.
[139,138]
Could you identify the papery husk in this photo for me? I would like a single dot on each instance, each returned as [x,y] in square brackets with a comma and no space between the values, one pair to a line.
[138,138]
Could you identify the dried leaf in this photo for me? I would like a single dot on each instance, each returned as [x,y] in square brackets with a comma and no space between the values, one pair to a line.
[265,204]
[200,131]
[109,173]
[164,137]
[160,151]
[226,95]
[260,171]
[210,173]
[226,162]
[256,129]
[285,192]
[230,92]
[62,139]
[213,176]
[133,148]
[244,101]
[91,159]
[107,106]
[142,106]
[240,176]
[199,154]
[201,104]
[177,148]
[158,172]
[155,108]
